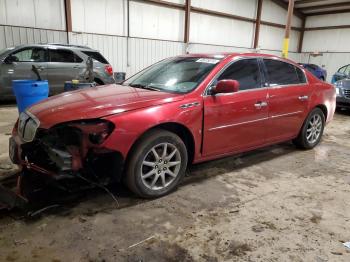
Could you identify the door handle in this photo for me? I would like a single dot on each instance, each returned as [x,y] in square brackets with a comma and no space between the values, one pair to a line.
[41,68]
[75,67]
[261,104]
[303,98]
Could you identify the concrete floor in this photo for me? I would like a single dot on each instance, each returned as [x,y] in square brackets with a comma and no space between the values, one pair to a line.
[274,204]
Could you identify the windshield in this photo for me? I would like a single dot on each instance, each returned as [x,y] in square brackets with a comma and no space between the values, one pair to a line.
[179,75]
[6,50]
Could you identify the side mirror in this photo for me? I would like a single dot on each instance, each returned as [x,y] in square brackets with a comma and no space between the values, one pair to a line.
[11,59]
[226,86]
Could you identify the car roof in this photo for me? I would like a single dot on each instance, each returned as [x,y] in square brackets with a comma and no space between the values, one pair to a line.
[59,45]
[225,55]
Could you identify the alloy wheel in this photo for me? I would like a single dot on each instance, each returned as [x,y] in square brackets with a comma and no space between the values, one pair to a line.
[160,166]
[314,129]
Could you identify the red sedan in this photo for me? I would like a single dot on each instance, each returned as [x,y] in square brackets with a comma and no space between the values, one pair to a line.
[182,110]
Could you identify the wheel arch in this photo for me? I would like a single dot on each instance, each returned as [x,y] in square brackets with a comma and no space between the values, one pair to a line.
[179,129]
[324,110]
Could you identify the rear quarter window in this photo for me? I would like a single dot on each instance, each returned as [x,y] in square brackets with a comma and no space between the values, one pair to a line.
[96,56]
[301,75]
[282,73]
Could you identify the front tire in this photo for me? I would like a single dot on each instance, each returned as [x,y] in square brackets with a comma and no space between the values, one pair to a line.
[157,164]
[311,132]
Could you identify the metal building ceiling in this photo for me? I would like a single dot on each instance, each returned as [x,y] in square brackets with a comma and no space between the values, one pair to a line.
[319,7]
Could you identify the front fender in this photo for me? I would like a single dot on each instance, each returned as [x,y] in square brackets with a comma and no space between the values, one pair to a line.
[130,126]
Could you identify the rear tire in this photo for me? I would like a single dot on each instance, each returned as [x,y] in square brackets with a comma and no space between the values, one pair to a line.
[312,130]
[157,164]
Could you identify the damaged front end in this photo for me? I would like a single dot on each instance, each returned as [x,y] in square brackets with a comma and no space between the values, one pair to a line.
[68,154]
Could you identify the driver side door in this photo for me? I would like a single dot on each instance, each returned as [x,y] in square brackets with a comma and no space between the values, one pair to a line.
[236,121]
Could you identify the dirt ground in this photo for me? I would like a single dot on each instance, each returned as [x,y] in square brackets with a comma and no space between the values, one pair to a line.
[274,204]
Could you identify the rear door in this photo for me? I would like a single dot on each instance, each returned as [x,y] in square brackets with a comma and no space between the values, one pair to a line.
[236,121]
[288,98]
[64,65]
[24,59]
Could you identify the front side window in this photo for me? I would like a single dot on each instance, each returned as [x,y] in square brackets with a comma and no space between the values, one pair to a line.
[63,56]
[245,71]
[179,75]
[33,54]
[281,73]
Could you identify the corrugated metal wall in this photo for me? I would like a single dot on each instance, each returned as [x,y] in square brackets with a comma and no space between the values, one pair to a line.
[13,35]
[48,14]
[157,32]
[31,21]
[129,55]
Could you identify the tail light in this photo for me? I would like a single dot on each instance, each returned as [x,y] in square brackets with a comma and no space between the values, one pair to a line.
[109,69]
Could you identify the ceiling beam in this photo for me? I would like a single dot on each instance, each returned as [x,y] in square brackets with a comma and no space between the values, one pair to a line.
[284,5]
[332,12]
[221,14]
[163,3]
[279,25]
[303,2]
[328,27]
[324,6]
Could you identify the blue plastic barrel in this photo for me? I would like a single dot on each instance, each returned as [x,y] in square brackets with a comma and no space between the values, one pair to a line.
[29,92]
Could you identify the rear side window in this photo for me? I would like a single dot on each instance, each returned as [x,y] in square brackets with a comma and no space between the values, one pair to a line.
[246,72]
[281,73]
[97,56]
[63,56]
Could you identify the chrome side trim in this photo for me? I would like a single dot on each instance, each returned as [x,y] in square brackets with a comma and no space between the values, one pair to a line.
[190,105]
[287,114]
[237,124]
[256,120]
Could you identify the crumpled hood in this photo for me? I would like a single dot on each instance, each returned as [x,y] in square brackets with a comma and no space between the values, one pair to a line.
[97,102]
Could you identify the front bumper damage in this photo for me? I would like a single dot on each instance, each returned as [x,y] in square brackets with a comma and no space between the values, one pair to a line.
[10,195]
[67,156]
